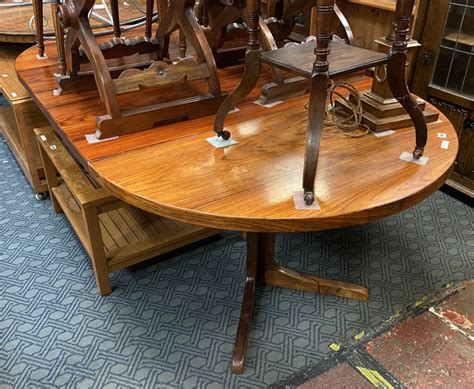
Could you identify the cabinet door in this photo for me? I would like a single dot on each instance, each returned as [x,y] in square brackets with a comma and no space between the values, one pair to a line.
[430,45]
[444,75]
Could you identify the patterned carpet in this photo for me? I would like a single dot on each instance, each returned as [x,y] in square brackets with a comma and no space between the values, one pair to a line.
[172,324]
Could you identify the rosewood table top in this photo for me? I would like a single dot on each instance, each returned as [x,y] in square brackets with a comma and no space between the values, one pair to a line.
[174,172]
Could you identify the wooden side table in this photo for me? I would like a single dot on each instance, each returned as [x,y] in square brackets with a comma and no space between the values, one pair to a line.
[114,234]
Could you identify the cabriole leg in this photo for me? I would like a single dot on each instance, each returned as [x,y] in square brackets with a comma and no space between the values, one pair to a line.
[251,71]
[396,75]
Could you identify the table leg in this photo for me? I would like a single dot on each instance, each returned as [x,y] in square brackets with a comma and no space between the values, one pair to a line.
[263,270]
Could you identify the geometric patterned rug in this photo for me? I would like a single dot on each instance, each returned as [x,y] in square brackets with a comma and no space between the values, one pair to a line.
[171,322]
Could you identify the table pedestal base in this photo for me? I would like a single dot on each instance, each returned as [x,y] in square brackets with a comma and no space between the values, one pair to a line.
[263,270]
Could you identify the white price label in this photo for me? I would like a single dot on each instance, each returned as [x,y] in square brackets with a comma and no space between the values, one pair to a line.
[445,144]
[408,157]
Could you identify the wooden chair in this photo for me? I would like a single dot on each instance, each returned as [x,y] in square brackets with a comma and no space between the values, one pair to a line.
[276,32]
[223,23]
[154,69]
[332,59]
[284,26]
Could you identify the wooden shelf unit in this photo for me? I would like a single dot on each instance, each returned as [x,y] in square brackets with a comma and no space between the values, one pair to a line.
[114,234]
[370,19]
[388,5]
[19,118]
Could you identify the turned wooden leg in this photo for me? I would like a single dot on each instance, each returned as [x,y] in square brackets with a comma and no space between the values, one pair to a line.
[149,18]
[38,13]
[59,33]
[263,270]
[182,44]
[114,7]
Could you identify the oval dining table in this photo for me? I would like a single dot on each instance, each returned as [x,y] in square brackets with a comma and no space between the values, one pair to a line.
[173,171]
[250,187]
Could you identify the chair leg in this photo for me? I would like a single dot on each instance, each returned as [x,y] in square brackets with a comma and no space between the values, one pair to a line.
[396,79]
[248,82]
[396,74]
[317,102]
[253,63]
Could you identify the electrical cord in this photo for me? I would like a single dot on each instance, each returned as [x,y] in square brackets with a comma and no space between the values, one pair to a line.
[349,124]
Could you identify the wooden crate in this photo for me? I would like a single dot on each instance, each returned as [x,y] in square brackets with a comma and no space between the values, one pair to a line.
[19,118]
[114,234]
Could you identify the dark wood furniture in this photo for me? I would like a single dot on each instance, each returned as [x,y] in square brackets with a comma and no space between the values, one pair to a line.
[224,22]
[446,79]
[381,111]
[178,82]
[17,25]
[246,187]
[277,32]
[18,22]
[343,60]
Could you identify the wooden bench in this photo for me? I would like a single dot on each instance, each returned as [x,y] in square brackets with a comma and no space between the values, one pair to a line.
[114,234]
[19,118]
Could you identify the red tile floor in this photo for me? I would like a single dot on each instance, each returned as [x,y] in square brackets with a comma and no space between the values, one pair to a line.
[434,349]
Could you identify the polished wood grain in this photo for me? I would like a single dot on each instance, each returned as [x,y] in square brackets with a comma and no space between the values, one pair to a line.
[262,157]
[9,84]
[346,59]
[249,186]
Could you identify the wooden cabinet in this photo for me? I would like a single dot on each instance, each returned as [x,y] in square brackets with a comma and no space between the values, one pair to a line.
[371,19]
[18,119]
[444,74]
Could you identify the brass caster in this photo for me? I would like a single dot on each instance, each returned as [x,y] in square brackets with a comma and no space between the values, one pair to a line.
[224,135]
[418,153]
[40,196]
[309,198]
